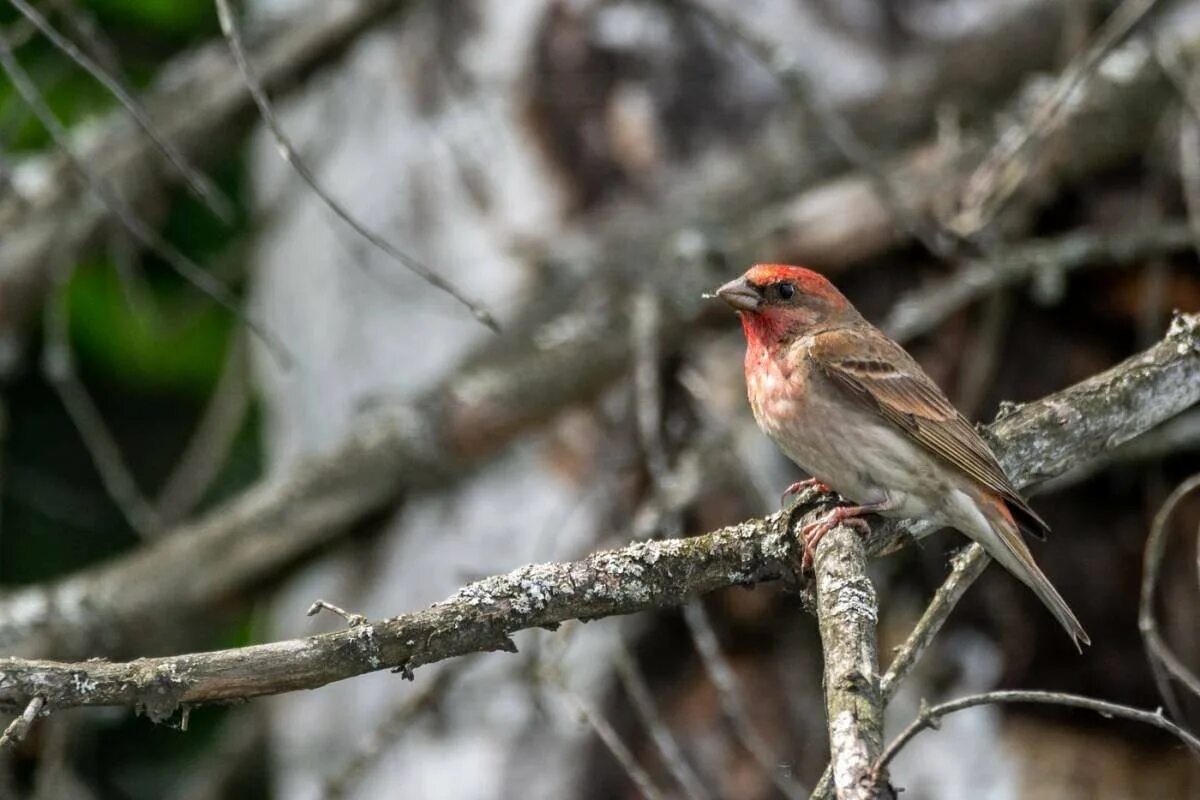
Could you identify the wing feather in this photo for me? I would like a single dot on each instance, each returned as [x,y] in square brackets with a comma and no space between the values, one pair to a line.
[878,373]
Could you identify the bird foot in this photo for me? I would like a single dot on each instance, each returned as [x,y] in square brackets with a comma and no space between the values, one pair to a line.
[812,533]
[800,486]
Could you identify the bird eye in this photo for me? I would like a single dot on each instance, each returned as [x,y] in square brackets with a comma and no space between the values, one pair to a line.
[786,290]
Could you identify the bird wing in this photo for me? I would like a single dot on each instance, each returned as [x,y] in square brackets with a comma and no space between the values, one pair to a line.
[877,372]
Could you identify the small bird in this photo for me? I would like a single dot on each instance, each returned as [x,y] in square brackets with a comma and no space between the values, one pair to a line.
[858,414]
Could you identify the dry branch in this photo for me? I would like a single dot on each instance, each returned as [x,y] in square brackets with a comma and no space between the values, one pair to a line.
[197,106]
[233,35]
[844,220]
[571,343]
[847,613]
[1034,441]
[1042,261]
[1164,663]
[930,717]
[202,103]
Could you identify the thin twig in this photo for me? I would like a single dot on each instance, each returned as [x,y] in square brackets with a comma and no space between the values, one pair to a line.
[17,729]
[196,181]
[416,703]
[834,127]
[1189,171]
[95,41]
[664,740]
[352,620]
[211,441]
[922,310]
[140,230]
[1002,172]
[1158,652]
[733,705]
[233,37]
[58,367]
[968,565]
[603,729]
[929,717]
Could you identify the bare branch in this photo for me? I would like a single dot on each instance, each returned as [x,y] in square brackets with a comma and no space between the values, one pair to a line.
[847,612]
[665,742]
[416,703]
[17,729]
[58,367]
[1035,440]
[1044,260]
[1010,162]
[137,227]
[1158,652]
[195,180]
[233,36]
[428,442]
[729,694]
[582,706]
[929,717]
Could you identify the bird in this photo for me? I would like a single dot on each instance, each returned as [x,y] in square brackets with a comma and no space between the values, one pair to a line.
[856,412]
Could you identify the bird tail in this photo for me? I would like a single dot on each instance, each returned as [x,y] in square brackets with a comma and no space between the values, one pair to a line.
[1010,550]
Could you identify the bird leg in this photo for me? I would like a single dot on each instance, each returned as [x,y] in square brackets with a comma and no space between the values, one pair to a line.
[851,516]
[800,486]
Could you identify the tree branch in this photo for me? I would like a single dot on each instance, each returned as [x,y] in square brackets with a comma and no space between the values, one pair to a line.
[844,220]
[196,106]
[1044,261]
[1164,663]
[1034,441]
[929,717]
[847,613]
[233,35]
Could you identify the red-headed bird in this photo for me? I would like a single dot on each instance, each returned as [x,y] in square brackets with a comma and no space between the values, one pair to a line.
[858,414]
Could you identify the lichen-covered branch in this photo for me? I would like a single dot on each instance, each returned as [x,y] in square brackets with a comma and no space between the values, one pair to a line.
[479,617]
[847,613]
[1034,440]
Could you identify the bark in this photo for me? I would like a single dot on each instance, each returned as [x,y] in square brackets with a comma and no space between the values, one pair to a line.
[847,613]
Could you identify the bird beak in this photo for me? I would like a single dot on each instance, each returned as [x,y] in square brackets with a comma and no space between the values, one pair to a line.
[740,294]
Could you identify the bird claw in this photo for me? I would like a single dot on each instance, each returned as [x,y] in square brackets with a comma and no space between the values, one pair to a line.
[800,486]
[812,533]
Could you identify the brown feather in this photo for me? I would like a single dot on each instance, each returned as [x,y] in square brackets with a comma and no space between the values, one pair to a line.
[877,372]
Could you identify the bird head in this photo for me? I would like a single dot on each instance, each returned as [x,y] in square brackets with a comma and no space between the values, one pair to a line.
[778,303]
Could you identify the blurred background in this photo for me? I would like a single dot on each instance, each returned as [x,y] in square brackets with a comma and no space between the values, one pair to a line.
[1011,188]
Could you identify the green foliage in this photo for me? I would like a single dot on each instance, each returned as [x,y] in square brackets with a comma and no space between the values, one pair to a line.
[161,17]
[180,346]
